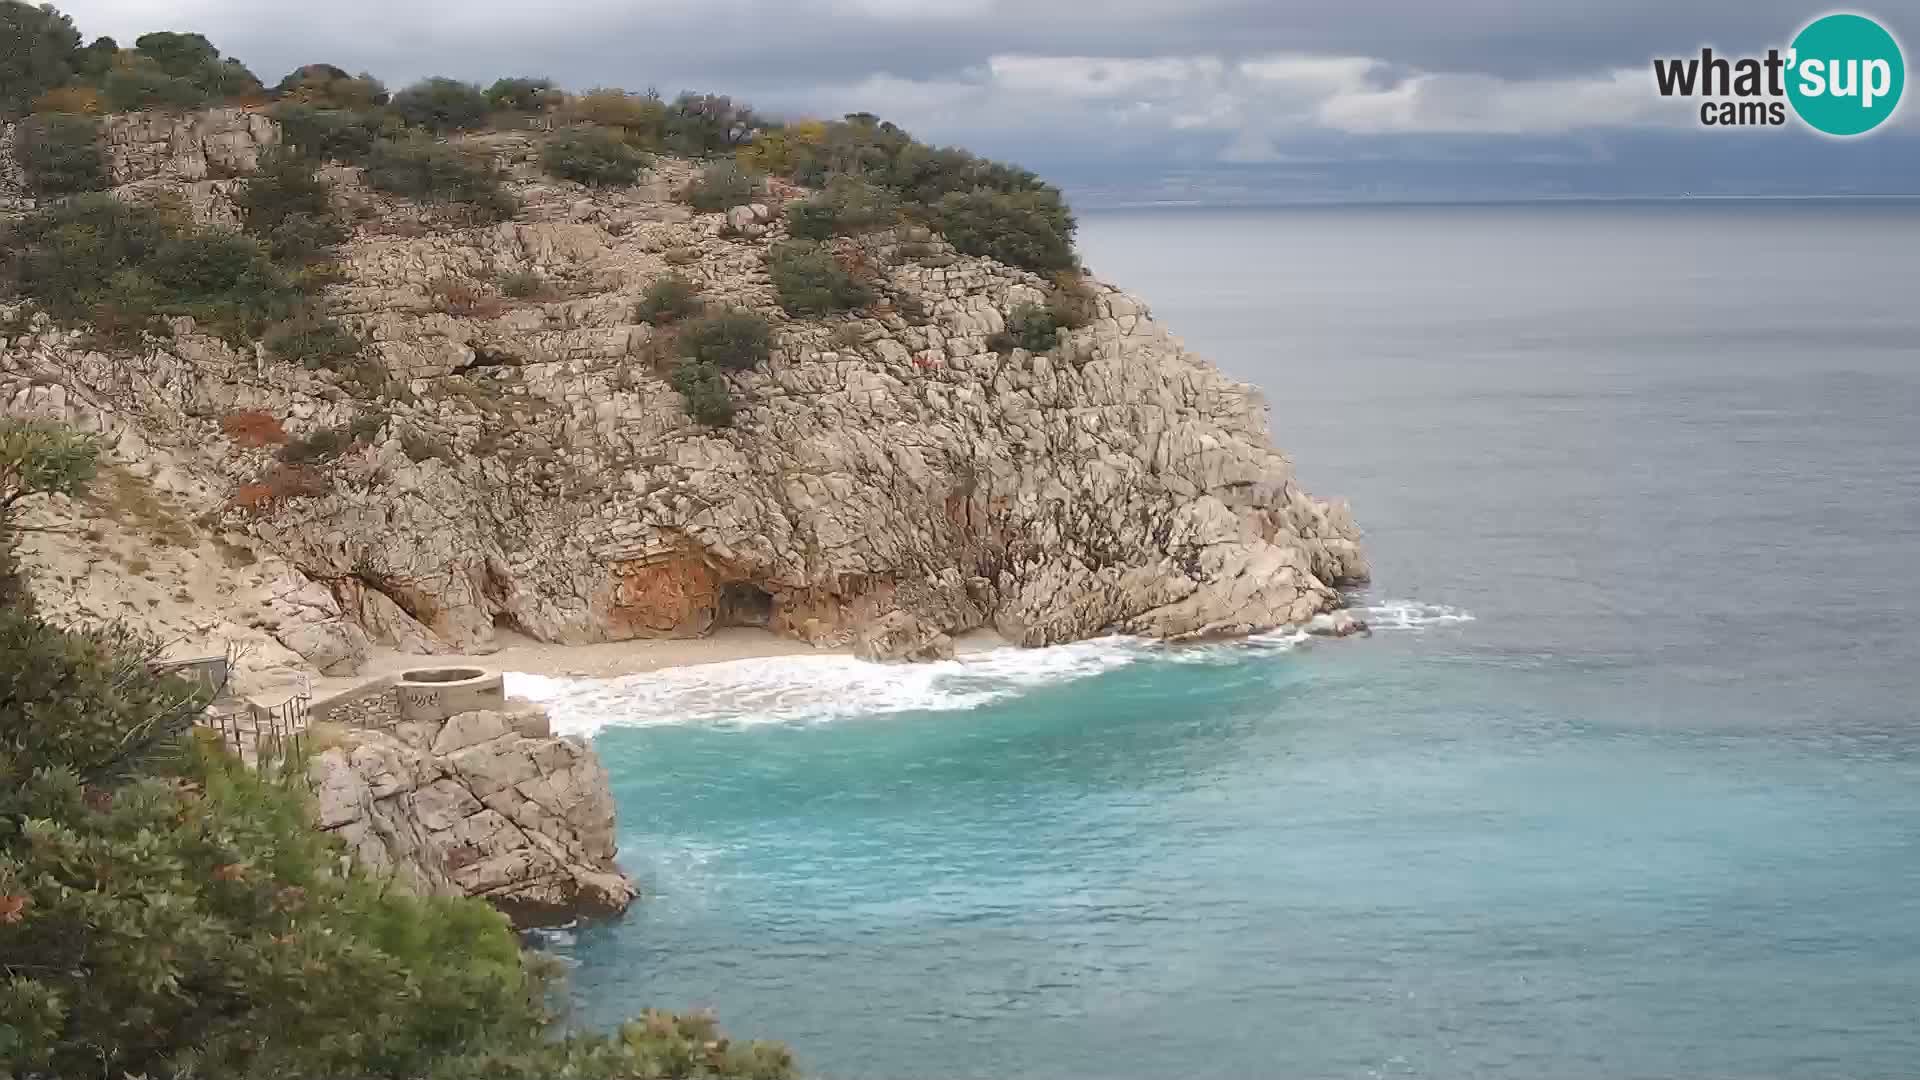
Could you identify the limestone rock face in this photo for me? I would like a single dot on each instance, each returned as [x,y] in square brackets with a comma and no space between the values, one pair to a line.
[889,478]
[485,804]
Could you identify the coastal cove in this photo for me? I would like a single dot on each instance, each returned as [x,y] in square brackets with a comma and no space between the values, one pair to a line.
[1624,783]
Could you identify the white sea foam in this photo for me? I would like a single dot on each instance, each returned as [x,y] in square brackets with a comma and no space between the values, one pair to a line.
[1412,615]
[819,689]
[812,689]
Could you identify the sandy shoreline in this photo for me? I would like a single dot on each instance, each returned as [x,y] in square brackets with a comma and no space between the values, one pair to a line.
[610,659]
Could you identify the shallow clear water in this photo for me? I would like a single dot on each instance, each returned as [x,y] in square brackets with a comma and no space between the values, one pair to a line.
[1654,811]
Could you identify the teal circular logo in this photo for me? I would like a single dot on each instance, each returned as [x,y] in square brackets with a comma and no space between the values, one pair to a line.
[1845,74]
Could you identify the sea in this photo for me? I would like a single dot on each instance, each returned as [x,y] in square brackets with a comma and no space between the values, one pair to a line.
[1624,784]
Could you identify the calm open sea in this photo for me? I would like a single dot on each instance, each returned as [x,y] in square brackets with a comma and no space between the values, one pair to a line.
[1627,784]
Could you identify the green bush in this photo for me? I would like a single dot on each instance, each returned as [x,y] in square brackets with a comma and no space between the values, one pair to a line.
[669,299]
[705,393]
[323,135]
[810,281]
[731,340]
[524,95]
[174,71]
[436,172]
[592,157]
[722,186]
[288,207]
[61,155]
[1030,327]
[36,458]
[94,260]
[1028,229]
[847,206]
[441,105]
[696,125]
[315,342]
[42,51]
[419,448]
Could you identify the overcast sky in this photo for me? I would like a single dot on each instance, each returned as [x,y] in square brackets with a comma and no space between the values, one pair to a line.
[1142,87]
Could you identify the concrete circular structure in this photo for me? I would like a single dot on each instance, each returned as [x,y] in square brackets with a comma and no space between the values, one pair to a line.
[431,695]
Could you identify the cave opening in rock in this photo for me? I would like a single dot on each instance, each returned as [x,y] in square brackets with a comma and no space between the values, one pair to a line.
[743,604]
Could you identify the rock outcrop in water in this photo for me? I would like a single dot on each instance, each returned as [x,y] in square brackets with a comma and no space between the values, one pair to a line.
[485,804]
[890,479]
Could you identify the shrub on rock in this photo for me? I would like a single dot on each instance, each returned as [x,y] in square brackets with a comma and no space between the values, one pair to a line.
[436,172]
[284,204]
[669,299]
[704,391]
[732,340]
[847,206]
[315,342]
[722,186]
[441,105]
[811,281]
[1029,229]
[593,157]
[1031,327]
[60,154]
[325,134]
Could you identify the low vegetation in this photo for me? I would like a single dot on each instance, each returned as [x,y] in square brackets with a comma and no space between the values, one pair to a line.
[60,154]
[316,342]
[287,207]
[722,186]
[442,105]
[668,300]
[704,391]
[592,156]
[437,172]
[731,340]
[97,261]
[810,281]
[848,206]
[1031,327]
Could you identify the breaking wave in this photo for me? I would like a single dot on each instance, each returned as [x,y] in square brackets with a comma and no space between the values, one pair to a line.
[820,689]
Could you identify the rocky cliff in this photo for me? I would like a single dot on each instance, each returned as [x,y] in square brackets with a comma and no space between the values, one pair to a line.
[485,804]
[889,480]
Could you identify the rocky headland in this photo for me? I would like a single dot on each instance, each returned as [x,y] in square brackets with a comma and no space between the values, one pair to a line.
[893,476]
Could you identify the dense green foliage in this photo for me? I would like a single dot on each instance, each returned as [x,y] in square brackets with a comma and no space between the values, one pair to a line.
[525,95]
[722,186]
[999,210]
[118,267]
[810,281]
[847,206]
[441,105]
[285,205]
[60,154]
[1031,327]
[321,134]
[174,71]
[438,172]
[39,50]
[167,912]
[704,391]
[593,157]
[668,299]
[1030,229]
[697,125]
[731,340]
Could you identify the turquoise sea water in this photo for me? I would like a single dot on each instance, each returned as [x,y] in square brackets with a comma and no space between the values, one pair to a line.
[1626,785]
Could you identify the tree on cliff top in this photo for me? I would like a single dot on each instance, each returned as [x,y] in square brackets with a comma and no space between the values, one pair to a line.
[39,50]
[168,912]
